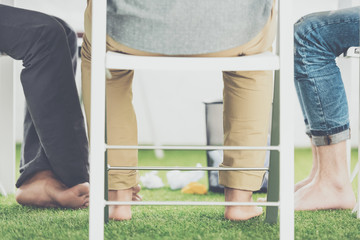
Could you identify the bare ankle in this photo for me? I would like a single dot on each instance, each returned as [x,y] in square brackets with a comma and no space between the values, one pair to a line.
[121,212]
[120,195]
[240,213]
[237,195]
[336,183]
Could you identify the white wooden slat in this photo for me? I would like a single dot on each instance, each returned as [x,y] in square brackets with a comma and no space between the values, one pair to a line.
[7,126]
[287,93]
[196,203]
[97,128]
[189,168]
[257,148]
[263,61]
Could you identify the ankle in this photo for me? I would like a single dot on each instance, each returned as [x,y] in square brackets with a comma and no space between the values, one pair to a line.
[122,212]
[120,195]
[237,195]
[335,182]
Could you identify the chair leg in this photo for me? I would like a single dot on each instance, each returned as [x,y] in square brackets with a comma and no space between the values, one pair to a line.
[106,175]
[273,188]
[274,166]
[358,192]
[106,214]
[7,127]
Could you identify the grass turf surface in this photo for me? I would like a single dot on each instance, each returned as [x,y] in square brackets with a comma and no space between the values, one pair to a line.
[175,222]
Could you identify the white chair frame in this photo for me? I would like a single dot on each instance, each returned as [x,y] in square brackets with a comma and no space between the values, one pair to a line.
[102,60]
[7,126]
[354,52]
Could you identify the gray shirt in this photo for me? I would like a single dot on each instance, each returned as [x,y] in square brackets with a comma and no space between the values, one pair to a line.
[178,27]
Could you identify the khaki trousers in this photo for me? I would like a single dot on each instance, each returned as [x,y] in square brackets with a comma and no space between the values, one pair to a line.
[247,105]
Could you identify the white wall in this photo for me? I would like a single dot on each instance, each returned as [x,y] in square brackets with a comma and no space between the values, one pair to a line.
[172,102]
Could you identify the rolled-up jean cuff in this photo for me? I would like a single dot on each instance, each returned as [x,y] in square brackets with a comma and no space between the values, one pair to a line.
[121,181]
[307,131]
[331,139]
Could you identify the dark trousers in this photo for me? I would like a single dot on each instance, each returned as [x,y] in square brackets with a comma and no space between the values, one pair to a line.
[54,130]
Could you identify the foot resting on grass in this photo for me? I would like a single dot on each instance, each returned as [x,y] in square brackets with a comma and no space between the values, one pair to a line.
[123,212]
[240,213]
[320,195]
[45,190]
[331,187]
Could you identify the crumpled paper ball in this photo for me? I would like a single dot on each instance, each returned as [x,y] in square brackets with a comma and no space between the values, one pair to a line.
[179,179]
[194,188]
[151,180]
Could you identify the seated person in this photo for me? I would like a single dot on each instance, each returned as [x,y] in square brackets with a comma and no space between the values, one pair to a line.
[195,28]
[319,39]
[54,159]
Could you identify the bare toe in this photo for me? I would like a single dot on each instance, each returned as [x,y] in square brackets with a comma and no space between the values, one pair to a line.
[45,190]
[83,189]
[75,197]
[135,190]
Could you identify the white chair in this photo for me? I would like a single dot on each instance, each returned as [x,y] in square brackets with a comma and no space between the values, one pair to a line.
[354,52]
[102,60]
[7,126]
[7,122]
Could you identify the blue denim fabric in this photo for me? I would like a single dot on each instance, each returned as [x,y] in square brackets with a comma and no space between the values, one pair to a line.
[319,39]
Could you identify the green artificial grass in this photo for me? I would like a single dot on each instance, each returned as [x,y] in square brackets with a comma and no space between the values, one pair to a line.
[175,222]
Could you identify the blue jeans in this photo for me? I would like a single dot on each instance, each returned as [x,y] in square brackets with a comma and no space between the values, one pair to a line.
[319,39]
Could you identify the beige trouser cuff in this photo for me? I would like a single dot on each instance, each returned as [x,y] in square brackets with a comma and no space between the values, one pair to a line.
[250,181]
[123,180]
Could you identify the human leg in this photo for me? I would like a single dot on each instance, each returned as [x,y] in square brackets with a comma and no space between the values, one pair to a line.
[331,187]
[319,39]
[31,145]
[315,159]
[56,125]
[247,106]
[121,130]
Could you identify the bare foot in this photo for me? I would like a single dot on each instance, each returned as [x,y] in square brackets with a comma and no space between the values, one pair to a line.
[240,213]
[331,187]
[303,183]
[135,195]
[123,212]
[45,190]
[321,196]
